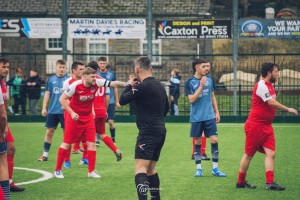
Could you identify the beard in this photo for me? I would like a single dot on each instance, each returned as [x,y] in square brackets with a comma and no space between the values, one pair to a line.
[273,79]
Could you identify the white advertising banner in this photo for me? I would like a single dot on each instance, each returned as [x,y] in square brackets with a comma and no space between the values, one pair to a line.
[107,28]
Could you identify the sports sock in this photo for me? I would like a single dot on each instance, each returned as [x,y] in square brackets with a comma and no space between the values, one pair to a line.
[242,178]
[46,149]
[10,164]
[154,186]
[215,155]
[269,177]
[92,160]
[113,134]
[193,146]
[68,154]
[142,185]
[203,145]
[197,155]
[84,154]
[110,143]
[6,189]
[76,146]
[60,158]
[97,137]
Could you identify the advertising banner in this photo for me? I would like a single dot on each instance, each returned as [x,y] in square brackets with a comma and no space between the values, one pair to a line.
[31,27]
[107,28]
[205,29]
[269,28]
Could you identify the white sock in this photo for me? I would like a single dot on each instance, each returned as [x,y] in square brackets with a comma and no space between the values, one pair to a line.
[199,166]
[45,154]
[215,165]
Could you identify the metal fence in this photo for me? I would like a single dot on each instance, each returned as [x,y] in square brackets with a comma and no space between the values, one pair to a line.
[248,72]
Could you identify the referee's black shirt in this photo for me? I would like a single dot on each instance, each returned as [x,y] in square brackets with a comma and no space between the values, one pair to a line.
[151,105]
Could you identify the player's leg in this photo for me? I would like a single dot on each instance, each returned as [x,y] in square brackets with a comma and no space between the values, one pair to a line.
[195,133]
[203,148]
[84,159]
[210,130]
[76,148]
[90,135]
[251,145]
[61,154]
[11,149]
[100,128]
[111,117]
[61,118]
[51,124]
[176,110]
[4,178]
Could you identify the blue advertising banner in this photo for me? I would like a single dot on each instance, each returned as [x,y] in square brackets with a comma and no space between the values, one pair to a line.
[269,28]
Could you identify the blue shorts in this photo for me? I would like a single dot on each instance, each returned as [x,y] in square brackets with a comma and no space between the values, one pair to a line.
[52,120]
[3,147]
[209,127]
[111,111]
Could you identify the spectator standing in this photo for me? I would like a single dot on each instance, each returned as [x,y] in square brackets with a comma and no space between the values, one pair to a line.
[34,90]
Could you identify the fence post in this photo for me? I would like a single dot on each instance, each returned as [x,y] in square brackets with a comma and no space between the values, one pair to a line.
[240,100]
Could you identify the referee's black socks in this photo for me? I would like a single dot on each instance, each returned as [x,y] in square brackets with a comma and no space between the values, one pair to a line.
[154,186]
[142,185]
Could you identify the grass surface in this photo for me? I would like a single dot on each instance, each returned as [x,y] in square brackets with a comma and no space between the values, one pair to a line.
[176,169]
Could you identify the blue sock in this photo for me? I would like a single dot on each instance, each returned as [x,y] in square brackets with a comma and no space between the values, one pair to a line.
[197,155]
[47,146]
[215,152]
[6,189]
[113,134]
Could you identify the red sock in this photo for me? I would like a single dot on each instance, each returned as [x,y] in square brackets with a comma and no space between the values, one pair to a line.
[92,160]
[269,177]
[110,143]
[68,154]
[203,145]
[193,144]
[85,153]
[76,146]
[10,163]
[60,158]
[241,178]
[1,193]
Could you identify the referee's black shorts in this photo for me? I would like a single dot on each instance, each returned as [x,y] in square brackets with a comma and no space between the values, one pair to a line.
[148,147]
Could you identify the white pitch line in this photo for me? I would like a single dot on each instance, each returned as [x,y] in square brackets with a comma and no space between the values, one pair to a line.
[46,175]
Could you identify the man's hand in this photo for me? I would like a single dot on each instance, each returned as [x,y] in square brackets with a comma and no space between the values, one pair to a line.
[217,117]
[44,112]
[74,116]
[292,110]
[172,98]
[203,81]
[118,105]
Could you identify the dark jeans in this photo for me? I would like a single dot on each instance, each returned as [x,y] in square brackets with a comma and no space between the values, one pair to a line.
[19,100]
[174,107]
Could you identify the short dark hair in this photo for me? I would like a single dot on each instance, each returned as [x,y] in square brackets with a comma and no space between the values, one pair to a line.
[198,61]
[4,60]
[143,62]
[102,59]
[34,70]
[267,67]
[75,64]
[61,62]
[93,65]
[88,71]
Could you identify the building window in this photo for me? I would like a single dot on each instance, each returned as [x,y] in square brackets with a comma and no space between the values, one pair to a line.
[156,48]
[97,46]
[54,44]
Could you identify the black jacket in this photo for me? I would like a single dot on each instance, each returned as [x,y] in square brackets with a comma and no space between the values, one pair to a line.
[34,92]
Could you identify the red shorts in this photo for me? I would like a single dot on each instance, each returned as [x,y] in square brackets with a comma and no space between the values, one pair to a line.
[9,137]
[257,137]
[76,131]
[100,125]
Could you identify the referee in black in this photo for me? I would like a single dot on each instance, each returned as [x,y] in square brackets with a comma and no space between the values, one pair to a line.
[151,107]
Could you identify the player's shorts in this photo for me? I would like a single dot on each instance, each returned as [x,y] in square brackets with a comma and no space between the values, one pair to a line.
[52,120]
[257,137]
[209,127]
[9,137]
[3,147]
[111,111]
[148,147]
[76,131]
[100,125]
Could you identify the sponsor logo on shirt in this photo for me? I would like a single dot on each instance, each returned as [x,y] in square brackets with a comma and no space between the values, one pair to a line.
[57,90]
[86,97]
